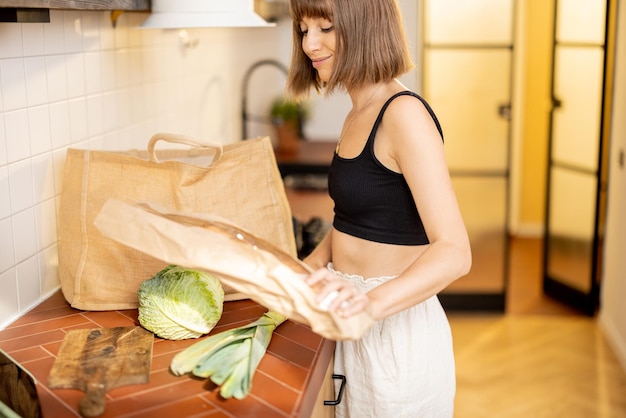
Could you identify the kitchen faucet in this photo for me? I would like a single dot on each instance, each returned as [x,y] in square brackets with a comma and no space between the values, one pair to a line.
[245,116]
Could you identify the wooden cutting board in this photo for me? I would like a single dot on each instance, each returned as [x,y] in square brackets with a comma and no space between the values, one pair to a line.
[18,391]
[99,359]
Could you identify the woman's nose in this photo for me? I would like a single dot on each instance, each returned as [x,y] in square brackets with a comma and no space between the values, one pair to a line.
[311,43]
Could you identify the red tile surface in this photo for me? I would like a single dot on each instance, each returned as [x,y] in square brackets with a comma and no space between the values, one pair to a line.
[285,385]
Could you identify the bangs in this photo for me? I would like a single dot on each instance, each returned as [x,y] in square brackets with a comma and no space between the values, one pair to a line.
[300,9]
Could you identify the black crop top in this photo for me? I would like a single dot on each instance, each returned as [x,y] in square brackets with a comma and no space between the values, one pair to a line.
[371,201]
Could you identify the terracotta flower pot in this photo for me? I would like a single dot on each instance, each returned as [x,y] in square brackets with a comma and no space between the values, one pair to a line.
[288,136]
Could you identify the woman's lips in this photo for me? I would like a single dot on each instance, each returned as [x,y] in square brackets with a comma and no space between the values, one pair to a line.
[318,62]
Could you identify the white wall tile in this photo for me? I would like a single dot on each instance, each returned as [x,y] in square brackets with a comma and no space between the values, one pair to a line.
[135,60]
[45,216]
[29,289]
[58,161]
[36,81]
[75,66]
[149,69]
[56,73]
[107,32]
[108,71]
[13,83]
[5,202]
[48,270]
[123,107]
[11,40]
[96,143]
[149,100]
[163,98]
[33,39]
[21,185]
[39,129]
[9,307]
[73,31]
[78,119]
[95,115]
[136,36]
[91,31]
[54,38]
[43,177]
[113,141]
[3,142]
[17,136]
[24,234]
[122,68]
[120,33]
[137,108]
[59,124]
[110,110]
[93,72]
[7,255]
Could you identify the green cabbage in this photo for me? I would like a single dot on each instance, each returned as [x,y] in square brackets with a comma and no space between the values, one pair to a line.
[180,303]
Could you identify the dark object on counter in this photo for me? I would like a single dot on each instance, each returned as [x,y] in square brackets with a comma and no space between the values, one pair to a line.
[18,394]
[310,181]
[309,234]
[99,359]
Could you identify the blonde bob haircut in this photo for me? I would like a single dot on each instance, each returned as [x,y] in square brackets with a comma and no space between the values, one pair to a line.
[371,45]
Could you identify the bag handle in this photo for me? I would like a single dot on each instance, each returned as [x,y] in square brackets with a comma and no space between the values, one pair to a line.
[185,140]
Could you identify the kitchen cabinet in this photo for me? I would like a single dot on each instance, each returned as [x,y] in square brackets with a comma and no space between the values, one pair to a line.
[327,392]
[138,5]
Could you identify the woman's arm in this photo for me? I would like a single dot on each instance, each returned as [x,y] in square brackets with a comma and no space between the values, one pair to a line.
[412,145]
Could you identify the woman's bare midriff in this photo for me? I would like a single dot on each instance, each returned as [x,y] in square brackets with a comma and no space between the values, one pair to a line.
[369,259]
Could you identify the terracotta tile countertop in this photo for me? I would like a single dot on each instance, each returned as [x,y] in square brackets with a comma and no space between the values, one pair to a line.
[286,383]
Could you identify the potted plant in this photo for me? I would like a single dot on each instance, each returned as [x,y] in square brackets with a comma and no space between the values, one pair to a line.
[288,116]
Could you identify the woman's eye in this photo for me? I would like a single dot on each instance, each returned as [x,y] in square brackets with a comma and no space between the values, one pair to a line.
[327,30]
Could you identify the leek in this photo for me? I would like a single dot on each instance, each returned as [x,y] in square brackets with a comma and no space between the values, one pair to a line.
[229,358]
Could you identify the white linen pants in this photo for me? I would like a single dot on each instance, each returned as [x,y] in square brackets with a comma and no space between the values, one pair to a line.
[403,367]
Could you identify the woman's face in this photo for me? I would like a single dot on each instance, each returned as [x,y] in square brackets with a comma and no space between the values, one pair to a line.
[318,43]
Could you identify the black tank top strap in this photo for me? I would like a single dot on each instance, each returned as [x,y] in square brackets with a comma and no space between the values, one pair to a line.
[404,93]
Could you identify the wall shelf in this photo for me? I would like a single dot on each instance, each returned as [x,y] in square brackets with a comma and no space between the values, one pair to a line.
[127,5]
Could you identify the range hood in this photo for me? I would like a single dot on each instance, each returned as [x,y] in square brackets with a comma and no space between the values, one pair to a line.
[181,14]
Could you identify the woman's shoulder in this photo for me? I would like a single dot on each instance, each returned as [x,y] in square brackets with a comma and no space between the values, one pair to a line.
[407,99]
[407,105]
[410,109]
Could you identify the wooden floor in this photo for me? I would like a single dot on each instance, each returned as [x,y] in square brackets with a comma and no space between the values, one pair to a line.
[535,366]
[540,359]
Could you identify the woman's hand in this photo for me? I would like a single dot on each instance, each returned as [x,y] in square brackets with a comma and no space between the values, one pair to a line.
[335,294]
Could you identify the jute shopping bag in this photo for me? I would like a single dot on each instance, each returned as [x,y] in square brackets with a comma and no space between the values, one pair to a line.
[239,182]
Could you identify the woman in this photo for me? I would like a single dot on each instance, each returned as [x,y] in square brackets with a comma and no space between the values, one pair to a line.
[398,237]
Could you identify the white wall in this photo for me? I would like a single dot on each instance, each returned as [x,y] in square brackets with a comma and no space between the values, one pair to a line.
[613,309]
[78,82]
